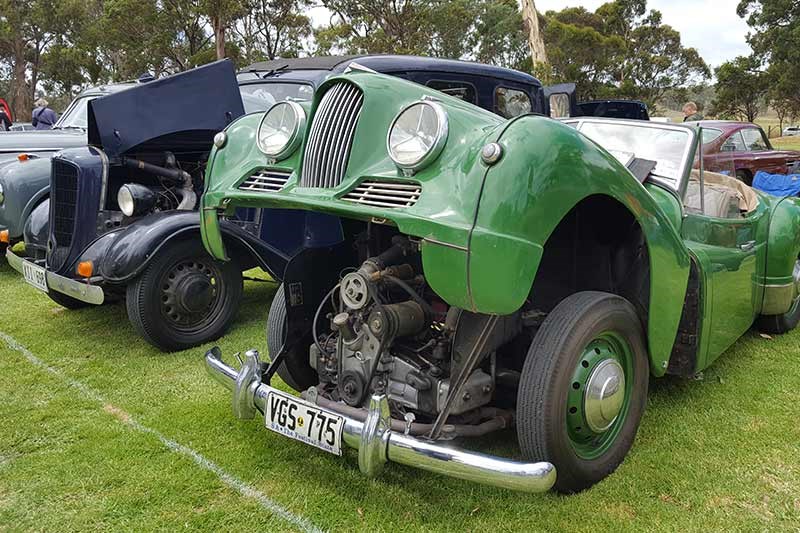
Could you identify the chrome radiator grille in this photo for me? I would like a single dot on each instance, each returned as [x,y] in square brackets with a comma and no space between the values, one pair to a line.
[385,193]
[328,147]
[265,180]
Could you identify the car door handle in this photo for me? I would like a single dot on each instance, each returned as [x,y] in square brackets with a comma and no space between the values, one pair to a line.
[747,246]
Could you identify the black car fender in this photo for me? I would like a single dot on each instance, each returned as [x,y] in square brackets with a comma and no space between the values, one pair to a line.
[126,252]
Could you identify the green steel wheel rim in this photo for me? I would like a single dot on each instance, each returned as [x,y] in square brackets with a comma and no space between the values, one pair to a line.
[608,350]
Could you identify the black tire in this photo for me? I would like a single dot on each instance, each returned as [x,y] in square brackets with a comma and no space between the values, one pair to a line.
[778,324]
[65,301]
[159,301]
[559,347]
[744,176]
[295,370]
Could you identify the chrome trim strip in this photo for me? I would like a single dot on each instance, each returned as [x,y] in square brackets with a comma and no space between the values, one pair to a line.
[377,444]
[446,244]
[778,299]
[91,294]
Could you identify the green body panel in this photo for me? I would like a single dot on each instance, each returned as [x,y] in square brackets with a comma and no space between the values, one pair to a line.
[483,228]
[547,169]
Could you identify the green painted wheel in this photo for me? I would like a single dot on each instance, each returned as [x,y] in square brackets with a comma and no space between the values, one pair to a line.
[583,388]
[599,395]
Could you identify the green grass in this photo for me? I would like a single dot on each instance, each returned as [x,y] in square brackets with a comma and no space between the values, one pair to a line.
[717,454]
[786,143]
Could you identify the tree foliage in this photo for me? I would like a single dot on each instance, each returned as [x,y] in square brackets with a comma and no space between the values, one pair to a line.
[485,30]
[740,89]
[776,28]
[620,50]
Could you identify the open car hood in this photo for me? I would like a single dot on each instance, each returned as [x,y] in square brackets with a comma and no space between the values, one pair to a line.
[180,113]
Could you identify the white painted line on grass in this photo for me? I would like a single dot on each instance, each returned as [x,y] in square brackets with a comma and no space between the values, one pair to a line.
[228,479]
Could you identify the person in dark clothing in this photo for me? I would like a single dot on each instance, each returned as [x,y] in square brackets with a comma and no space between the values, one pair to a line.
[690,112]
[43,117]
[5,122]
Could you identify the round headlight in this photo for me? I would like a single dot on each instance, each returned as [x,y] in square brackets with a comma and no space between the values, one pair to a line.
[280,129]
[125,201]
[2,195]
[135,199]
[417,135]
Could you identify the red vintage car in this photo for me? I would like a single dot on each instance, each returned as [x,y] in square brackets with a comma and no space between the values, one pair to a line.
[744,146]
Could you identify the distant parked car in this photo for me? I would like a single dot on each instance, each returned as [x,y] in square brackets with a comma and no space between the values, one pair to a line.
[791,131]
[747,146]
[22,126]
[68,132]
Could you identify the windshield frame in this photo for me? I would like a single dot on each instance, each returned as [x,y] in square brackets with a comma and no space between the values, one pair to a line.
[687,158]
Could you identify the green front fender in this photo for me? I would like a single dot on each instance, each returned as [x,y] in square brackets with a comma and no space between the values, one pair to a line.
[547,169]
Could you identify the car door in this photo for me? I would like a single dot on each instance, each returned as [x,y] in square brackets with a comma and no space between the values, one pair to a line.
[730,248]
[760,152]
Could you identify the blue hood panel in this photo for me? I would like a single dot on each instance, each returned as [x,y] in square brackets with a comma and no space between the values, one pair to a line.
[183,111]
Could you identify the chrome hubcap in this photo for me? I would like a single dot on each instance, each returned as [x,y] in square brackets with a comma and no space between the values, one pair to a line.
[604,395]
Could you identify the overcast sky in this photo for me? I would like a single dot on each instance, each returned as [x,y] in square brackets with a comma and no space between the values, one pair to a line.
[711,26]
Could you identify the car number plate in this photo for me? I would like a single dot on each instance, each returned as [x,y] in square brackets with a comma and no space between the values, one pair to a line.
[303,421]
[35,275]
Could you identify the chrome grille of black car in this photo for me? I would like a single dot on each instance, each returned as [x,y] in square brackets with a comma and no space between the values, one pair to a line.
[265,180]
[328,147]
[385,193]
[64,202]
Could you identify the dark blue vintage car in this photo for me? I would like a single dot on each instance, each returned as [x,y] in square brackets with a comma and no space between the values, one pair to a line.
[122,221]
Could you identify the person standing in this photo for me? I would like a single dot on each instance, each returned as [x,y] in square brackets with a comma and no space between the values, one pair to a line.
[690,112]
[43,117]
[5,122]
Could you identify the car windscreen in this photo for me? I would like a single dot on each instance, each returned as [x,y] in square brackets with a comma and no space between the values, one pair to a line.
[261,96]
[76,115]
[668,147]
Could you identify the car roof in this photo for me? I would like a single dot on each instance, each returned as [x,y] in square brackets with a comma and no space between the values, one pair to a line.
[107,88]
[393,63]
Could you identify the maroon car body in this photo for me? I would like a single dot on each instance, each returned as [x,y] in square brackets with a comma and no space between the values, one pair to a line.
[746,147]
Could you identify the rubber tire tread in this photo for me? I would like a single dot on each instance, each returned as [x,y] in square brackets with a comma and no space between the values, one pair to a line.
[542,391]
[777,324]
[142,304]
[295,370]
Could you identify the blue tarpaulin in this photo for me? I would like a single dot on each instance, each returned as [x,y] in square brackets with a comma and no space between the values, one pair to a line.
[777,184]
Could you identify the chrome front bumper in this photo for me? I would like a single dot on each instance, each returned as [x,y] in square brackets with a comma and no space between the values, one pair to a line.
[80,290]
[377,444]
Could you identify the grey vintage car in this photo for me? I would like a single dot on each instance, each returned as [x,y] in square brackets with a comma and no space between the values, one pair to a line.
[25,183]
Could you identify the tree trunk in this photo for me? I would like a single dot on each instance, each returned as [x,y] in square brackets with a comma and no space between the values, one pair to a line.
[20,92]
[535,41]
[219,36]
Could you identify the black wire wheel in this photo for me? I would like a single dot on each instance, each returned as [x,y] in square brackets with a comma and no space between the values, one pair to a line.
[184,297]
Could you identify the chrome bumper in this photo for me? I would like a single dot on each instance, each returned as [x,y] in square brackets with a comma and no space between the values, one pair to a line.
[376,443]
[91,294]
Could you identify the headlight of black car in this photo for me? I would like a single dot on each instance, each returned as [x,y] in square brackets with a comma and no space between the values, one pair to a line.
[281,129]
[417,135]
[135,199]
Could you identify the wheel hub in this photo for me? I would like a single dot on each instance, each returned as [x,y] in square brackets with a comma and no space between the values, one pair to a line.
[604,395]
[194,293]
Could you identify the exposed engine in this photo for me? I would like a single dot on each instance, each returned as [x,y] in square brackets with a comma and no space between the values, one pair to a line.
[389,333]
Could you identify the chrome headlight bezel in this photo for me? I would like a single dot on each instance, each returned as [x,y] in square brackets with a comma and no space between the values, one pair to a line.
[440,136]
[293,141]
[135,199]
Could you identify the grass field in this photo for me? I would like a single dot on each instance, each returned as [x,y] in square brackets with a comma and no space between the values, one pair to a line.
[98,431]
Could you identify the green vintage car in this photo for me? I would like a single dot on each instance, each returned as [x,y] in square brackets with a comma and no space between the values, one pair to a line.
[492,273]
